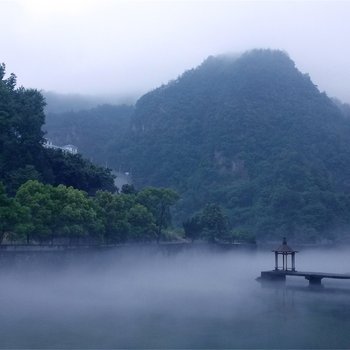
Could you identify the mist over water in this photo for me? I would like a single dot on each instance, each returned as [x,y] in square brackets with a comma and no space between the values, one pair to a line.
[155,298]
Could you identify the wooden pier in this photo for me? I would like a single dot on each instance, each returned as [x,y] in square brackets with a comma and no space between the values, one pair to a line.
[282,271]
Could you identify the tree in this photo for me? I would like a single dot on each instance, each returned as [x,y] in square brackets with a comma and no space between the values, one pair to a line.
[73,170]
[75,216]
[13,217]
[36,198]
[22,155]
[193,227]
[142,225]
[215,222]
[158,201]
[128,189]
[58,212]
[21,137]
[112,210]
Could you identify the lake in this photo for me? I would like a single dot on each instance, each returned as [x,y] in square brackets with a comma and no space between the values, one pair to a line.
[144,297]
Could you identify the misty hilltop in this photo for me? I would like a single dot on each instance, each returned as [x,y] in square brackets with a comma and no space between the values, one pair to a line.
[61,103]
[250,133]
[91,130]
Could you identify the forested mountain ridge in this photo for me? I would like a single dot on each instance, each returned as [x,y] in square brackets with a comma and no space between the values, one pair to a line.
[90,130]
[251,133]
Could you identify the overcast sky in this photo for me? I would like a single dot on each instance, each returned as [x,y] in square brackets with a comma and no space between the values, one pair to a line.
[112,47]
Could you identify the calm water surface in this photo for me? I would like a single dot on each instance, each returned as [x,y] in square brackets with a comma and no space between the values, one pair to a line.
[146,298]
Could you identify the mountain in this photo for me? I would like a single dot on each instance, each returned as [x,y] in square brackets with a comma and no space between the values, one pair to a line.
[91,130]
[61,103]
[251,133]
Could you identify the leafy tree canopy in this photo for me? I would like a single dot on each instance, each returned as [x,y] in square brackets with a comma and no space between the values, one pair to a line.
[43,213]
[22,155]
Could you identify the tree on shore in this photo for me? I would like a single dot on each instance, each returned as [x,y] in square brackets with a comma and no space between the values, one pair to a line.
[41,213]
[210,224]
[13,217]
[215,222]
[158,201]
[57,212]
[193,227]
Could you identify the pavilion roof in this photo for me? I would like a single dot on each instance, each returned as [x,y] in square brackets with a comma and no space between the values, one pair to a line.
[284,248]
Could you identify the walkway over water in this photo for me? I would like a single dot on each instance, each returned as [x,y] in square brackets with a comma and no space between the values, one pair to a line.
[314,278]
[288,269]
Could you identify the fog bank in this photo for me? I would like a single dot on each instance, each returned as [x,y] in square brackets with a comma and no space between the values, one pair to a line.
[148,298]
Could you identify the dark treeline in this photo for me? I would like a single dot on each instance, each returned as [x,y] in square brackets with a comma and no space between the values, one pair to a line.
[23,156]
[46,214]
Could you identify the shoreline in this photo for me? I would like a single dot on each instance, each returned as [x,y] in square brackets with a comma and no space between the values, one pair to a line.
[86,247]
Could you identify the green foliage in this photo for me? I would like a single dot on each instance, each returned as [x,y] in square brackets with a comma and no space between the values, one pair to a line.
[113,210]
[36,197]
[158,201]
[214,222]
[21,118]
[74,170]
[22,155]
[75,214]
[57,212]
[250,133]
[13,217]
[44,213]
[128,189]
[210,224]
[142,224]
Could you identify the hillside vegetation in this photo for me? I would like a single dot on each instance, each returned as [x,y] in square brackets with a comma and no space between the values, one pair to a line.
[252,134]
[248,136]
[92,130]
[47,195]
[22,155]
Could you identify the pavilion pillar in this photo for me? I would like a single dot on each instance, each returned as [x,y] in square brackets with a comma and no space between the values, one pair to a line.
[293,261]
[276,261]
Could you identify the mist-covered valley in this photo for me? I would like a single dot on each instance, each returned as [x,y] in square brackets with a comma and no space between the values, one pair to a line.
[144,297]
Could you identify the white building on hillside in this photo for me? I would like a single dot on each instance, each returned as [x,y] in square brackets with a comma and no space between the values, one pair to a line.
[70,149]
[67,148]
